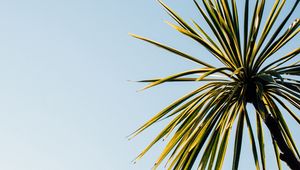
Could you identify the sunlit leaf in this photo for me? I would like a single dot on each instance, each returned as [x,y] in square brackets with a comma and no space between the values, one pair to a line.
[245,39]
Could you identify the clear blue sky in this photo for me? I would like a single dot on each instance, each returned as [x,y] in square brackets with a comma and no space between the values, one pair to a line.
[65,102]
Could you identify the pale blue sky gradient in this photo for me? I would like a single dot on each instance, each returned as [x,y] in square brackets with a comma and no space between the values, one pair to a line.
[65,102]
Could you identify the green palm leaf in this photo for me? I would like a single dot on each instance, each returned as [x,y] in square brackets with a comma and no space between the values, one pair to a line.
[200,123]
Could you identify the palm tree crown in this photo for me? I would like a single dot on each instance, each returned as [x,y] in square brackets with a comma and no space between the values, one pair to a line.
[201,121]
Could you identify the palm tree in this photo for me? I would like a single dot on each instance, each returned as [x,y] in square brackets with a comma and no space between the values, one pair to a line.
[202,120]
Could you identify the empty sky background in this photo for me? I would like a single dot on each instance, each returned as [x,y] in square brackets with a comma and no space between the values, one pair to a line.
[65,99]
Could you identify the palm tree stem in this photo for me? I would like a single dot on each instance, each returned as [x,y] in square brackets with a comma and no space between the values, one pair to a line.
[287,154]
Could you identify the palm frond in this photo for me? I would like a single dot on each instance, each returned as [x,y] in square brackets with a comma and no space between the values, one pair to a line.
[200,123]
